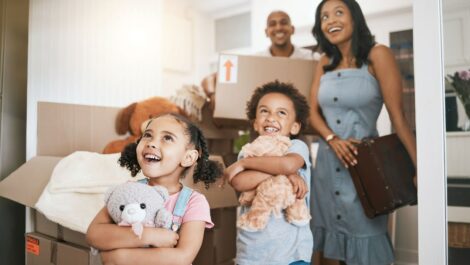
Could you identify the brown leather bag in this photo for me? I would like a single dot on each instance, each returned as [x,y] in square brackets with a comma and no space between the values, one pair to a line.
[383,176]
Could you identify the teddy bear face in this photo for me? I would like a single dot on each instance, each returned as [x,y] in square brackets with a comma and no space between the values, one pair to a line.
[134,202]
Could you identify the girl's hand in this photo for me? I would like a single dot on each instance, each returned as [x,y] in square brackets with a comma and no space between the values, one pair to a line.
[161,237]
[233,170]
[345,150]
[299,186]
[111,257]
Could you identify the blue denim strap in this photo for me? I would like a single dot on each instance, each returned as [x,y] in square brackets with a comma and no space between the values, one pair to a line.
[180,207]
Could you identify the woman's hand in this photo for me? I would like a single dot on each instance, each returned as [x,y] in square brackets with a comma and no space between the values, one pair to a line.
[298,185]
[161,237]
[345,150]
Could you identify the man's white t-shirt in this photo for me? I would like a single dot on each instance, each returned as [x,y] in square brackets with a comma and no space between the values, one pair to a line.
[299,53]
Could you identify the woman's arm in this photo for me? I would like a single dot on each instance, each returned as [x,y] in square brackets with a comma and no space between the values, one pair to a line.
[344,149]
[387,73]
[104,234]
[191,235]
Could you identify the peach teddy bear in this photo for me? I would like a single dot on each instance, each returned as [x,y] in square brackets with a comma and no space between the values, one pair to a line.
[274,194]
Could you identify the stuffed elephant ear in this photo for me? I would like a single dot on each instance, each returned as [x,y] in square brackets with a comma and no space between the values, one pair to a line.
[162,191]
[164,219]
[108,193]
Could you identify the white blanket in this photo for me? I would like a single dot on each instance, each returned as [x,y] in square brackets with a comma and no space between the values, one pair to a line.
[75,192]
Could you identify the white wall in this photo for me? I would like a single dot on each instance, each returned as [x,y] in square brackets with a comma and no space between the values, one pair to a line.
[92,52]
[190,33]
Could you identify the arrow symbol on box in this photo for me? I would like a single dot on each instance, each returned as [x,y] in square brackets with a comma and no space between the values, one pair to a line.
[228,64]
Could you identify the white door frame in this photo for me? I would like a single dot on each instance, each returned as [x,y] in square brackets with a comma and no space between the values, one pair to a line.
[430,131]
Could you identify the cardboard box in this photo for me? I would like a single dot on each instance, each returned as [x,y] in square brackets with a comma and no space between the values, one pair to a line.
[80,131]
[220,146]
[240,75]
[228,262]
[40,249]
[44,250]
[225,220]
[75,255]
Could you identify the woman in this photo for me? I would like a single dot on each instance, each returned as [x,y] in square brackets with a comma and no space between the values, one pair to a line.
[354,77]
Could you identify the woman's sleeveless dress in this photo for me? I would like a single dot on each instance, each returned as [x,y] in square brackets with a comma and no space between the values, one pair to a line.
[351,102]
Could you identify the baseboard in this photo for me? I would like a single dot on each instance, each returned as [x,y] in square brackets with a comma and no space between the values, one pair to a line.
[406,257]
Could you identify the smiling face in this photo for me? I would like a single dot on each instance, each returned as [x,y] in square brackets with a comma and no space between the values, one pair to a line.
[275,115]
[279,28]
[164,149]
[336,22]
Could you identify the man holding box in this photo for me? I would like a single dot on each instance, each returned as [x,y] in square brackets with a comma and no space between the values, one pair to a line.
[279,30]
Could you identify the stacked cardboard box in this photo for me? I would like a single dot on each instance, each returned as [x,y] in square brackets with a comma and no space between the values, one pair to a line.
[41,249]
[236,85]
[89,128]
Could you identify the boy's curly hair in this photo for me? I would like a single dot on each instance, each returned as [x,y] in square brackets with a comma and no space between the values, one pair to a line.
[206,170]
[302,109]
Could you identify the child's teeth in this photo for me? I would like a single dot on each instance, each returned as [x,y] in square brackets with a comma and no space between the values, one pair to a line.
[270,129]
[153,157]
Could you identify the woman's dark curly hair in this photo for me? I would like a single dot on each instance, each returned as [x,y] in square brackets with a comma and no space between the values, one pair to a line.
[206,170]
[362,39]
[301,107]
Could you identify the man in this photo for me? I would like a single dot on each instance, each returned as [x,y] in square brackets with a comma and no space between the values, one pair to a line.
[279,30]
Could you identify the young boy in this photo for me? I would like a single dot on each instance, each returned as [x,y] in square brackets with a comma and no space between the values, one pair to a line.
[275,109]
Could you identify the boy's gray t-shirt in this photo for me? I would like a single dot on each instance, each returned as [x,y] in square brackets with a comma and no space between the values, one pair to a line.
[280,243]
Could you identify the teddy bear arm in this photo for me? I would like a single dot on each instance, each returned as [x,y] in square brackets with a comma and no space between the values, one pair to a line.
[247,197]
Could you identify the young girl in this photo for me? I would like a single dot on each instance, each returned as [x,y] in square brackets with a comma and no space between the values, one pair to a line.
[352,81]
[169,148]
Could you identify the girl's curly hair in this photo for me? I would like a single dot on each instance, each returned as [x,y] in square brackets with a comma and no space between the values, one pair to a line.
[206,170]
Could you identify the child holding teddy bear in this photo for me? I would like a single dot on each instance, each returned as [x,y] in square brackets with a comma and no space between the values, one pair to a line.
[169,148]
[275,109]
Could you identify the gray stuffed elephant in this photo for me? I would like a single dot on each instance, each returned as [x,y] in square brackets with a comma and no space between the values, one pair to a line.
[138,205]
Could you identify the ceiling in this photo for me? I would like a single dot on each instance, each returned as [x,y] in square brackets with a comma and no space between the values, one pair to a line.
[211,6]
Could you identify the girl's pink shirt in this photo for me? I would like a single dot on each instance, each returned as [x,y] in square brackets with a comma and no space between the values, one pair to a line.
[197,208]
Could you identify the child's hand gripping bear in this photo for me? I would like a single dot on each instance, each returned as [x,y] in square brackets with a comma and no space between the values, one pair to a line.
[274,194]
[138,205]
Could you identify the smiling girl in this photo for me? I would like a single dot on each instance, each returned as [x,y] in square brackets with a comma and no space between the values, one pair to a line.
[170,146]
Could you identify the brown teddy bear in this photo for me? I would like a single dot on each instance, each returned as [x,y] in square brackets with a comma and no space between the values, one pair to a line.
[133,117]
[274,194]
